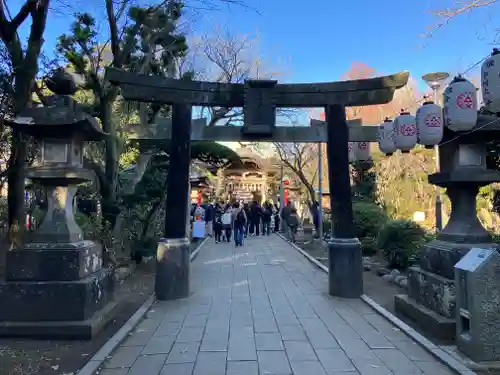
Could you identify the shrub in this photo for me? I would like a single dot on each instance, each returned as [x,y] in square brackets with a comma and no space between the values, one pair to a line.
[401,241]
[145,247]
[369,218]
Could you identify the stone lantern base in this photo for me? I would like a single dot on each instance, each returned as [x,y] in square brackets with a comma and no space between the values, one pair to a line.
[56,290]
[430,301]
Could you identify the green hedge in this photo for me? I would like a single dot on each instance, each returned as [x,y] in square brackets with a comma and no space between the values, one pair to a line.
[401,241]
[369,218]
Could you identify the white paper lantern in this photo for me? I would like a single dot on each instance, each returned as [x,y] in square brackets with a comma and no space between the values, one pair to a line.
[405,132]
[351,146]
[429,124]
[490,81]
[363,151]
[460,105]
[386,137]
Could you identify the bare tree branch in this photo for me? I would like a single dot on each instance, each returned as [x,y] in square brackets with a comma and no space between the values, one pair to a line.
[448,14]
[301,159]
[227,58]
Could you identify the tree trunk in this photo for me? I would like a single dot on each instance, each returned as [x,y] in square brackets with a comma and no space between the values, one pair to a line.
[110,210]
[16,180]
[147,220]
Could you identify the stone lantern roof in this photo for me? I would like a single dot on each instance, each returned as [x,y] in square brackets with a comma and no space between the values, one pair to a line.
[62,117]
[57,122]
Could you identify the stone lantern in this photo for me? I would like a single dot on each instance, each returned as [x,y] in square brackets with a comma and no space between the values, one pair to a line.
[55,283]
[432,291]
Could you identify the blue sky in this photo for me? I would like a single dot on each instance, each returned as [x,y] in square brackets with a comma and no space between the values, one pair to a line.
[319,40]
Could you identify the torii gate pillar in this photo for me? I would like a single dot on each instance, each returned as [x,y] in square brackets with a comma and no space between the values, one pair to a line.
[345,263]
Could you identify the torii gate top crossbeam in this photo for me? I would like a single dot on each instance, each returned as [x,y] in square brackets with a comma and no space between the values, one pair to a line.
[144,88]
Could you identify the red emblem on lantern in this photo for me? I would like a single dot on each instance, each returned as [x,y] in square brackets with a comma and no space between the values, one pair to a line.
[464,100]
[363,145]
[433,121]
[349,147]
[407,130]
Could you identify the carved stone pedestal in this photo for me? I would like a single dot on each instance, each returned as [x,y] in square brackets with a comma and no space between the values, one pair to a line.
[431,297]
[172,269]
[56,291]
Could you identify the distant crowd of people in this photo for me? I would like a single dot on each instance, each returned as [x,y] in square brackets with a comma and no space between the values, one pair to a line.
[225,221]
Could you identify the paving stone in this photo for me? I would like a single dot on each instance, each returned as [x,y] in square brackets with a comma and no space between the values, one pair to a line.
[214,343]
[114,371]
[138,338]
[268,341]
[307,368]
[124,356]
[201,309]
[273,362]
[434,368]
[356,348]
[210,363]
[159,345]
[414,351]
[318,334]
[263,309]
[241,348]
[183,352]
[148,364]
[177,369]
[168,329]
[265,326]
[197,320]
[293,333]
[190,334]
[216,327]
[335,360]
[242,368]
[397,362]
[300,351]
[376,340]
[372,366]
[150,323]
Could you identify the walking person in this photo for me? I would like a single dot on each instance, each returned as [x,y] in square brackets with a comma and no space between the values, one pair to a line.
[227,223]
[267,213]
[256,213]
[285,213]
[239,222]
[218,224]
[209,217]
[276,213]
[293,224]
[315,216]
[246,208]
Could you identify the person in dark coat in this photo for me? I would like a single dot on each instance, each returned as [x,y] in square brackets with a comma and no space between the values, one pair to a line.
[315,216]
[276,218]
[246,208]
[267,213]
[209,218]
[293,224]
[255,217]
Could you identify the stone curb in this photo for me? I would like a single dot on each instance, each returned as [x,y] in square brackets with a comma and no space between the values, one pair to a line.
[438,353]
[104,352]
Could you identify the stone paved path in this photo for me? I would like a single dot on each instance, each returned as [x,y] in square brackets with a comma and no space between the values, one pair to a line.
[263,309]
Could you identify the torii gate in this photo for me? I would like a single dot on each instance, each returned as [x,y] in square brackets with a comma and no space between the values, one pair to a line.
[259,99]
